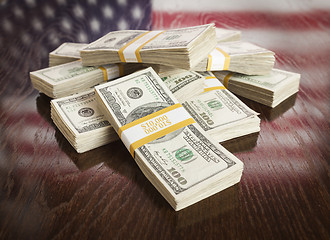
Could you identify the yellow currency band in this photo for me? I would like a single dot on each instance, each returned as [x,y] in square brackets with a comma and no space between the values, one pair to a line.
[121,50]
[209,62]
[137,51]
[156,135]
[210,77]
[226,79]
[227,58]
[121,69]
[214,88]
[104,71]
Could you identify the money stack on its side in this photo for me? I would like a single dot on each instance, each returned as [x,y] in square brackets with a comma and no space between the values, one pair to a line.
[182,48]
[80,120]
[175,154]
[240,57]
[270,89]
[217,111]
[69,78]
[67,52]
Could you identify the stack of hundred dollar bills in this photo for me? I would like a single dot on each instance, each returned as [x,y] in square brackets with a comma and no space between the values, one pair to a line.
[66,52]
[168,95]
[183,48]
[180,159]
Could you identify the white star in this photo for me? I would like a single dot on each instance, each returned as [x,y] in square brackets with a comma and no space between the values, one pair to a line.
[107,12]
[37,25]
[66,24]
[122,2]
[18,12]
[122,24]
[49,12]
[61,2]
[82,37]
[92,2]
[26,39]
[78,11]
[3,3]
[95,25]
[30,3]
[136,12]
[7,25]
[53,38]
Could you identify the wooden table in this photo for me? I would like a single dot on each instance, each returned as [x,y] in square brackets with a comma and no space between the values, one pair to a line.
[48,191]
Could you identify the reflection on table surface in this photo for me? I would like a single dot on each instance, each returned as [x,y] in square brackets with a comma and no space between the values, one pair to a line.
[50,191]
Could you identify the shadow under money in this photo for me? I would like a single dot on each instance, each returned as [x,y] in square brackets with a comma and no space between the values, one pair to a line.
[241,144]
[268,113]
[43,107]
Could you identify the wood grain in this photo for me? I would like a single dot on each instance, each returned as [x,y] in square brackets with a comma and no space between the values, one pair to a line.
[48,191]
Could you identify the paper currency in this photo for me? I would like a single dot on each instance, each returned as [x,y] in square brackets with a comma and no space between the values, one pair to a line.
[213,107]
[69,78]
[240,57]
[270,89]
[182,48]
[80,120]
[226,35]
[182,83]
[66,52]
[174,153]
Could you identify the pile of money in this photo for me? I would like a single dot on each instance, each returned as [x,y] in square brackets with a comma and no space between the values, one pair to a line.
[182,48]
[69,78]
[80,120]
[66,52]
[182,161]
[240,57]
[155,91]
[270,89]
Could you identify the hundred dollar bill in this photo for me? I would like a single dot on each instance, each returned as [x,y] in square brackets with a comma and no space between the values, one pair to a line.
[182,161]
[240,57]
[182,83]
[182,48]
[66,52]
[213,107]
[270,89]
[73,77]
[80,120]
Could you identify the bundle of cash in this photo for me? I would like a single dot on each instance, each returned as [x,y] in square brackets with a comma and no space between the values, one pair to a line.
[69,78]
[182,48]
[226,35]
[270,89]
[213,107]
[81,122]
[175,154]
[240,57]
[67,52]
